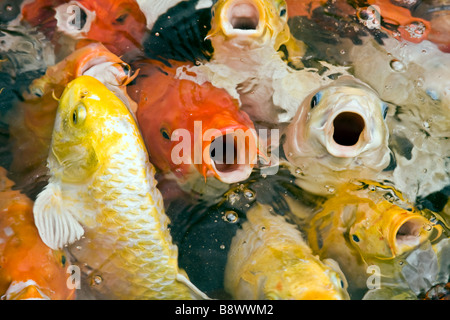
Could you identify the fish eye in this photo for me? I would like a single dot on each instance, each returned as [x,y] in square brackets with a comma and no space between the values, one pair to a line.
[126,69]
[316,99]
[79,114]
[283,12]
[165,133]
[355,238]
[384,110]
[121,19]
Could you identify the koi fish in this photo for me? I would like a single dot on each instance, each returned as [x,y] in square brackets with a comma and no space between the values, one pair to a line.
[102,188]
[31,121]
[251,27]
[338,134]
[364,224]
[246,37]
[119,25]
[204,231]
[269,259]
[413,77]
[28,268]
[192,129]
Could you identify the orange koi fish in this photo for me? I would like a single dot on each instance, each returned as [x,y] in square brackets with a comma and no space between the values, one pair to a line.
[28,268]
[207,117]
[119,25]
[31,123]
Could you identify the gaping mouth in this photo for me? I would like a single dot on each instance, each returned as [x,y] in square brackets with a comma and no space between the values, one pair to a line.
[346,135]
[409,234]
[348,127]
[243,16]
[232,157]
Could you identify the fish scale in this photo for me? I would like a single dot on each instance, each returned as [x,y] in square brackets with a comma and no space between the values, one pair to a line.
[126,248]
[131,249]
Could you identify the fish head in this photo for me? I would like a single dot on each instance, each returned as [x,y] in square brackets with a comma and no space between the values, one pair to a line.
[186,126]
[250,23]
[342,120]
[119,25]
[94,60]
[309,280]
[88,125]
[384,230]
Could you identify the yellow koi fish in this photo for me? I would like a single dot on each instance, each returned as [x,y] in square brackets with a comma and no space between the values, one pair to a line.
[269,259]
[367,224]
[249,25]
[102,188]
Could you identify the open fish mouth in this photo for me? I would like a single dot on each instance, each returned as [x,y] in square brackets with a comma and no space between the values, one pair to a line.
[347,134]
[348,127]
[242,17]
[409,233]
[231,156]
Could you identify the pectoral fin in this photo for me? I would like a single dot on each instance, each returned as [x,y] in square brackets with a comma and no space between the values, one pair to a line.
[56,224]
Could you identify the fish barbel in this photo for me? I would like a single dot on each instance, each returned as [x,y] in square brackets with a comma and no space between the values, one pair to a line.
[102,187]
[269,259]
[28,268]
[338,134]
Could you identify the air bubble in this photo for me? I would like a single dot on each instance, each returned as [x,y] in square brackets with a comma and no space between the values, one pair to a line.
[96,280]
[222,246]
[233,197]
[231,216]
[249,194]
[397,65]
[330,189]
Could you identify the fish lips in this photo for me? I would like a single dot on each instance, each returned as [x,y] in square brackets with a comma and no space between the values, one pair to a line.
[229,153]
[348,132]
[243,19]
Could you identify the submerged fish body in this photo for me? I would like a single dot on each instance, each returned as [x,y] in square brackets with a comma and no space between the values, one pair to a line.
[367,224]
[102,188]
[25,54]
[28,268]
[269,259]
[31,122]
[119,25]
[191,129]
[338,134]
[414,77]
